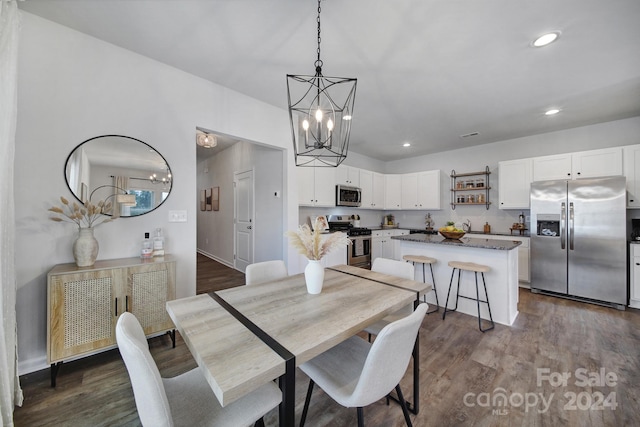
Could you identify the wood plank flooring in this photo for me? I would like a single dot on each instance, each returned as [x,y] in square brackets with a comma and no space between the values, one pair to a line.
[463,372]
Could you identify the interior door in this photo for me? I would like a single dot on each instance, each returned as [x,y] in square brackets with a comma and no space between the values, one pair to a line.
[244,213]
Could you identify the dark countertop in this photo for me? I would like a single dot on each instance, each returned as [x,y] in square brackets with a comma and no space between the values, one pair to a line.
[467,242]
[502,233]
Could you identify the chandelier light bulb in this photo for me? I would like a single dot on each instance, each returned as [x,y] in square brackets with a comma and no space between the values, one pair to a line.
[330,124]
[319,115]
[305,124]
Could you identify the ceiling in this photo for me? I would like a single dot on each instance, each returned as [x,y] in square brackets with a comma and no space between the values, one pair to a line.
[428,71]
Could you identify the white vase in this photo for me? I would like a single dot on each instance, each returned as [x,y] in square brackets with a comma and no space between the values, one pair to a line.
[85,248]
[314,276]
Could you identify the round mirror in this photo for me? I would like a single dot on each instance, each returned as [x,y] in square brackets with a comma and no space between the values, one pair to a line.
[122,170]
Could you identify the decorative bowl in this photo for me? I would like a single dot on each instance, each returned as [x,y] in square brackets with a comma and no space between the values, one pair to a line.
[452,234]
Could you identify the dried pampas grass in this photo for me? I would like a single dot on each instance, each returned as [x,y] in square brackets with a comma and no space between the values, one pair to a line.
[310,243]
[86,216]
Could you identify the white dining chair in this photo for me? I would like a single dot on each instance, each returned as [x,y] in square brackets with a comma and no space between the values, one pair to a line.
[356,373]
[185,400]
[396,268]
[262,272]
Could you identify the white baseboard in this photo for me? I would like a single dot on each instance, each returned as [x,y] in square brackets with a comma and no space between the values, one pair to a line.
[215,258]
[32,365]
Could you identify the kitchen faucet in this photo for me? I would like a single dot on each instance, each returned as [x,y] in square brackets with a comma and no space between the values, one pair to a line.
[466,226]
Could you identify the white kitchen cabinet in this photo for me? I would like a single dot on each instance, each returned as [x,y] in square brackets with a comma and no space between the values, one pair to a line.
[316,186]
[552,167]
[514,183]
[420,190]
[634,275]
[524,272]
[596,163]
[382,245]
[631,155]
[582,164]
[372,186]
[348,175]
[393,191]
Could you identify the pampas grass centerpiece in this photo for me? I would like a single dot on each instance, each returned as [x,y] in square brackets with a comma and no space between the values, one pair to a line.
[310,242]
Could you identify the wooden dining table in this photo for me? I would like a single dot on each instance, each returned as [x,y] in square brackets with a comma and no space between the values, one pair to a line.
[243,337]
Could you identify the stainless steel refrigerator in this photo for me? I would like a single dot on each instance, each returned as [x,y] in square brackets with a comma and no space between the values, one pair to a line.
[578,239]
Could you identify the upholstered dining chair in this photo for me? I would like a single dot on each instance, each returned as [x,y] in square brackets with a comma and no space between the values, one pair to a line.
[262,272]
[185,400]
[391,267]
[356,373]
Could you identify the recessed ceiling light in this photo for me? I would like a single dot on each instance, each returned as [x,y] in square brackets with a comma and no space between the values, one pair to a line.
[545,39]
[406,144]
[551,112]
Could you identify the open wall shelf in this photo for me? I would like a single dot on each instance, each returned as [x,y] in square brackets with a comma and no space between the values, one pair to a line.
[471,188]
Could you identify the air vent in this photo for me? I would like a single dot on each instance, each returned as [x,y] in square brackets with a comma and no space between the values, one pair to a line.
[469,134]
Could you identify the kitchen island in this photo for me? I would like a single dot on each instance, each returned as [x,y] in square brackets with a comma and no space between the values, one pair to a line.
[502,280]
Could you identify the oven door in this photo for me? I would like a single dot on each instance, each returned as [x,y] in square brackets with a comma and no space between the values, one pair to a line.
[359,252]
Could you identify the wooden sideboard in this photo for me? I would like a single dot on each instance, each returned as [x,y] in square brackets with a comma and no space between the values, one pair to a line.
[84,303]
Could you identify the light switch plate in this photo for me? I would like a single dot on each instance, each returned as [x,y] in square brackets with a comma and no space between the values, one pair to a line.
[177,216]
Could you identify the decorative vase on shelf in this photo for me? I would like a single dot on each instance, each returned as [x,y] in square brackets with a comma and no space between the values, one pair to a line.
[85,248]
[314,276]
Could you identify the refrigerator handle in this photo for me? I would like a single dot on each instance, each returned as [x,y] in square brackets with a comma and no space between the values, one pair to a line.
[563,219]
[571,226]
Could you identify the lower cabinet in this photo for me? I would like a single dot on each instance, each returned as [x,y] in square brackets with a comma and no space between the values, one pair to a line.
[634,275]
[83,304]
[382,245]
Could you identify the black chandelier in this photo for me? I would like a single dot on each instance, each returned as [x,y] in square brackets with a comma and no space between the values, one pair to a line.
[320,110]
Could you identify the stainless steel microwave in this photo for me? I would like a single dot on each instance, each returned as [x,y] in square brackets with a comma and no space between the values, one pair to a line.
[348,196]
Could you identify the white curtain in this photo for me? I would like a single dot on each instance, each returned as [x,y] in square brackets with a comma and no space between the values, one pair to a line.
[10,392]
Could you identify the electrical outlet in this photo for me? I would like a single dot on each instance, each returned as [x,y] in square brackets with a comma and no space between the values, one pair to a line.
[177,216]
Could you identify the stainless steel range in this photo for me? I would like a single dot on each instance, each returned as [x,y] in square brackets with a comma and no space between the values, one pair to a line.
[359,252]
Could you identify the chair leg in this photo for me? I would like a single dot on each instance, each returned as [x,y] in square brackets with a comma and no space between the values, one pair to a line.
[486,296]
[306,403]
[360,417]
[403,404]
[259,423]
[433,281]
[446,303]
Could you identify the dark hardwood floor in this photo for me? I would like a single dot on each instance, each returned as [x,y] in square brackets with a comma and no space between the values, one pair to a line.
[464,372]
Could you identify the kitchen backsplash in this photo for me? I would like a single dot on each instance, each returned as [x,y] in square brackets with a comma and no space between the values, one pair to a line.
[500,221]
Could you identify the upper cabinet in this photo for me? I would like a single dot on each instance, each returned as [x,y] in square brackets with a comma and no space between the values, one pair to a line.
[316,186]
[632,172]
[583,164]
[372,186]
[421,190]
[348,175]
[596,163]
[393,191]
[514,183]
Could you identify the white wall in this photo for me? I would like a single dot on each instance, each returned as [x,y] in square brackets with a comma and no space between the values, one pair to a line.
[73,87]
[215,228]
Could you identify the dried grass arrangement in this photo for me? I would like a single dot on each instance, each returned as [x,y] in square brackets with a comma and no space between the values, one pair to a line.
[84,216]
[310,243]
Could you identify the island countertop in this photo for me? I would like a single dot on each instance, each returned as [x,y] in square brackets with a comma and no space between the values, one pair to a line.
[468,242]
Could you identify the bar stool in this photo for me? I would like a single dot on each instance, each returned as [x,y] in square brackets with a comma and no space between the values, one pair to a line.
[425,260]
[476,268]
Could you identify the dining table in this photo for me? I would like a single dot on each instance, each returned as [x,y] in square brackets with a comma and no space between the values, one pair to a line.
[245,336]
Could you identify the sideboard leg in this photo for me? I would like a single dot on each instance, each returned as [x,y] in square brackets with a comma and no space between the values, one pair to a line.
[55,367]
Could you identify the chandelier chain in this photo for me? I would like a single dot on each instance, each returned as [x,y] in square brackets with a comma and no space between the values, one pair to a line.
[318,63]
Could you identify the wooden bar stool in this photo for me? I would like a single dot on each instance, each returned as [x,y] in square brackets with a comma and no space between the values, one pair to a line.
[476,268]
[425,260]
